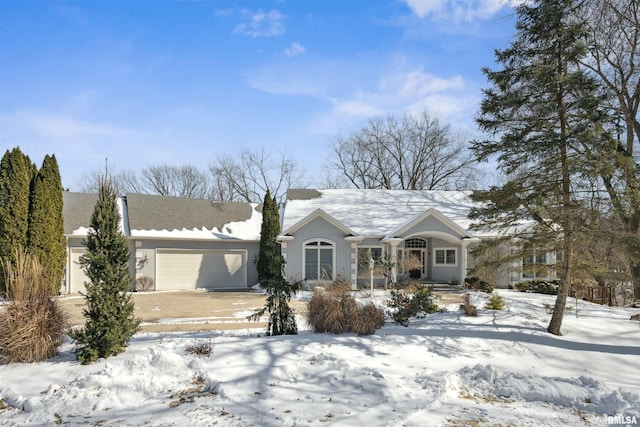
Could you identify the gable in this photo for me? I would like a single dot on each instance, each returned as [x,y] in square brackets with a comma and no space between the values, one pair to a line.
[432,222]
[317,222]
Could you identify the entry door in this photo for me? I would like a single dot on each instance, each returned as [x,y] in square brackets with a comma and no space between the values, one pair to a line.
[419,254]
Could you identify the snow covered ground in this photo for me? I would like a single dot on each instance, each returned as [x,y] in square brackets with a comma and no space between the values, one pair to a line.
[500,368]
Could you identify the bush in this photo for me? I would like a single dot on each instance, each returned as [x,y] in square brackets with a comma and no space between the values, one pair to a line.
[200,348]
[365,320]
[495,303]
[144,284]
[538,286]
[478,285]
[339,312]
[32,324]
[418,304]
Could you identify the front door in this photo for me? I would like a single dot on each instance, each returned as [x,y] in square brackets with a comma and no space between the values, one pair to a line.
[416,263]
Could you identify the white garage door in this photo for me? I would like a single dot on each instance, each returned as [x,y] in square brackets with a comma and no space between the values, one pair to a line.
[208,269]
[77,277]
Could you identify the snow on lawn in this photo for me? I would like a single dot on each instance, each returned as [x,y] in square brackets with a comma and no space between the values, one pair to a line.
[446,369]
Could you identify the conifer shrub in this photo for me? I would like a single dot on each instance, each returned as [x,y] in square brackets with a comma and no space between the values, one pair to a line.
[548,287]
[495,302]
[411,305]
[110,319]
[32,324]
[477,284]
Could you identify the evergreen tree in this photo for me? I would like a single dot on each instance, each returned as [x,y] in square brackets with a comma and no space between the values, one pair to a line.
[16,172]
[110,318]
[282,319]
[540,108]
[270,261]
[46,224]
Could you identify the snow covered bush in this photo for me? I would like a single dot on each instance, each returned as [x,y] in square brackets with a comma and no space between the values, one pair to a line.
[406,306]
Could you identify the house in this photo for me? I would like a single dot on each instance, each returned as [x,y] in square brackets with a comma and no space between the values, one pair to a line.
[175,243]
[180,243]
[423,235]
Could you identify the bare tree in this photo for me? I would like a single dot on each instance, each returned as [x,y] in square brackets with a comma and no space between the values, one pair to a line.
[614,40]
[178,181]
[165,180]
[247,177]
[417,152]
[125,181]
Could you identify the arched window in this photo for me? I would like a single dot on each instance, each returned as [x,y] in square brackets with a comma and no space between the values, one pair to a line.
[415,243]
[319,260]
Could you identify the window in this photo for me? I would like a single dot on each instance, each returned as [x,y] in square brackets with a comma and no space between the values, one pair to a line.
[364,255]
[415,242]
[534,266]
[445,256]
[318,260]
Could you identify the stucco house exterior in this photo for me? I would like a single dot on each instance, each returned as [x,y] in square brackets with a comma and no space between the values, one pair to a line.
[175,243]
[425,235]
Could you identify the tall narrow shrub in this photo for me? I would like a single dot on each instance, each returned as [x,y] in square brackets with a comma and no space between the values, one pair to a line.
[16,172]
[46,224]
[282,319]
[109,306]
[270,261]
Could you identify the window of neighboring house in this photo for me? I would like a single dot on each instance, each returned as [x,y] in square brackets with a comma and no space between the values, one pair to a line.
[534,266]
[445,256]
[364,255]
[318,260]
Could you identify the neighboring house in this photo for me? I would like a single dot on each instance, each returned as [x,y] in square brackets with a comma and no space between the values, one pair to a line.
[174,243]
[425,235]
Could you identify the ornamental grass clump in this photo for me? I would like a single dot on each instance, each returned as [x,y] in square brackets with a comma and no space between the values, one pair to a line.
[337,312]
[32,323]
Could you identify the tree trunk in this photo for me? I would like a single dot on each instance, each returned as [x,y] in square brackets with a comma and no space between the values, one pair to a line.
[635,277]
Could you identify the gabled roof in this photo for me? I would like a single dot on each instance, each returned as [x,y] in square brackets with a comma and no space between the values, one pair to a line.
[318,213]
[374,213]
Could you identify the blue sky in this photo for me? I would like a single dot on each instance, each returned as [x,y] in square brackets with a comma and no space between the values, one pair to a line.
[167,81]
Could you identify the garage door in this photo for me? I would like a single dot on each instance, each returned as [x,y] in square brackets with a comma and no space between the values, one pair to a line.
[77,277]
[208,269]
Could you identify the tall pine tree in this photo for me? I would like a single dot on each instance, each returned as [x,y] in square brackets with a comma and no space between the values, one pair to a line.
[16,173]
[538,109]
[110,318]
[46,225]
[282,319]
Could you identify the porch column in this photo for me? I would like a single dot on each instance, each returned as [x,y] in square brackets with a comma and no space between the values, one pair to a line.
[466,241]
[354,241]
[393,243]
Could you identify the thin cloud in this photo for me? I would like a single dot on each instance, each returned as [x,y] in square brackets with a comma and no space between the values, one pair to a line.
[261,24]
[459,10]
[60,127]
[294,50]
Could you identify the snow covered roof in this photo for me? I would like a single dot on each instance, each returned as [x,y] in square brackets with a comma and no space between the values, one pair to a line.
[173,217]
[376,212]
[150,216]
